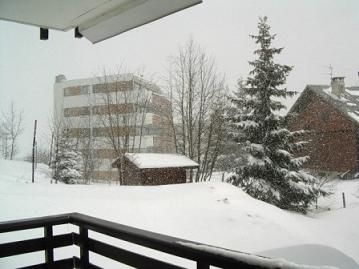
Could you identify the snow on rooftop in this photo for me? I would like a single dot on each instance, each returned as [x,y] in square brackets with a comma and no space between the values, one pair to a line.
[329,92]
[160,160]
[352,92]
[354,115]
[347,103]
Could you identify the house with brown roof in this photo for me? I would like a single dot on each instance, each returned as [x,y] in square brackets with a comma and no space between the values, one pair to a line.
[331,114]
[154,168]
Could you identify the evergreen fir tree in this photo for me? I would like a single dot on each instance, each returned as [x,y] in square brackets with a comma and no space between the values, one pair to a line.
[67,162]
[273,171]
[233,151]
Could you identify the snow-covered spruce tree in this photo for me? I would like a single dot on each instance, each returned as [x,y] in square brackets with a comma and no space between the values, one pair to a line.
[233,154]
[273,171]
[67,162]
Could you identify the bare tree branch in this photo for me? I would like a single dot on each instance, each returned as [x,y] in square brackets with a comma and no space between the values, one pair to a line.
[11,129]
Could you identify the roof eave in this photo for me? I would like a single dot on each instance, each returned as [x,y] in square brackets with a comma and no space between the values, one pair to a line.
[169,167]
[308,88]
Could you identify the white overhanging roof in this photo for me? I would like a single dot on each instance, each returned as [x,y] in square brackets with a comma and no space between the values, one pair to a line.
[160,160]
[97,20]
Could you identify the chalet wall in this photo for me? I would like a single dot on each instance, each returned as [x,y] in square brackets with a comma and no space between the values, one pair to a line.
[162,176]
[333,141]
[132,175]
[156,176]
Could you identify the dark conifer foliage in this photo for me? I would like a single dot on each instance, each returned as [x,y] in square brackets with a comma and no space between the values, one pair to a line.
[273,171]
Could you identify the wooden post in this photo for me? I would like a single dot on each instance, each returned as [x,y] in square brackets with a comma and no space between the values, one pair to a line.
[84,252]
[33,153]
[344,204]
[223,177]
[49,251]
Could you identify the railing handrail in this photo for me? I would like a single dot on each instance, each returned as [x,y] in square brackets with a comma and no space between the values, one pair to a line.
[33,223]
[201,253]
[163,243]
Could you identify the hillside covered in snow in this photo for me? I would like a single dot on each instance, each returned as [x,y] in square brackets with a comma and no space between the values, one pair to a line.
[213,213]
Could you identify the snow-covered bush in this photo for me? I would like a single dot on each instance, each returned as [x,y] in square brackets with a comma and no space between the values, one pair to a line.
[67,162]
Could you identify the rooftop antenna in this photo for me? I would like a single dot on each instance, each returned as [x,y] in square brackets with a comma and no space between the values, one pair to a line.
[330,73]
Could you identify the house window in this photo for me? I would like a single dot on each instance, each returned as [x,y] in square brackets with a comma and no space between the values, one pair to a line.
[85,89]
[324,116]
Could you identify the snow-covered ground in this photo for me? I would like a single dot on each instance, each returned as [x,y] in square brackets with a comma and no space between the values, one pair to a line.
[214,213]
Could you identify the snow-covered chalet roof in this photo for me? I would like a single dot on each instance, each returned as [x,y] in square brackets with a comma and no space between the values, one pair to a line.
[160,160]
[347,103]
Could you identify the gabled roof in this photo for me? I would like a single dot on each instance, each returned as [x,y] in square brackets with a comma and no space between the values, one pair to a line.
[347,104]
[159,160]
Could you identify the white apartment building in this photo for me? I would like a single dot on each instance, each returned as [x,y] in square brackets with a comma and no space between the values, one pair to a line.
[124,110]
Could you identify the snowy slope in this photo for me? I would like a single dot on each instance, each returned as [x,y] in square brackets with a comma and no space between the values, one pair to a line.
[213,213]
[19,171]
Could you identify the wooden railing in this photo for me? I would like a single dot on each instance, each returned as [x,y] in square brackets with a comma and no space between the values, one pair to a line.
[203,255]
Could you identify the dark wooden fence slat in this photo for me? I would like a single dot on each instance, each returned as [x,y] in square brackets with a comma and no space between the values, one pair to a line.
[127,257]
[49,251]
[32,245]
[84,252]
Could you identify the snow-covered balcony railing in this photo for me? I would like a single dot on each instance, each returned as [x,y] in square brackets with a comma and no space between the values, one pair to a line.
[203,255]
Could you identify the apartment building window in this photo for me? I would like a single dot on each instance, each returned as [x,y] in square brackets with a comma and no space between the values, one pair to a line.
[84,111]
[76,111]
[112,87]
[85,89]
[70,91]
[78,90]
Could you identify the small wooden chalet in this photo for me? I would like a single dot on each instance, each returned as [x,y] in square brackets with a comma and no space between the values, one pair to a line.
[154,168]
[331,113]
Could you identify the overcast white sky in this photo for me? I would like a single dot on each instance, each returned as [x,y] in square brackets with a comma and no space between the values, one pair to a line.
[314,34]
